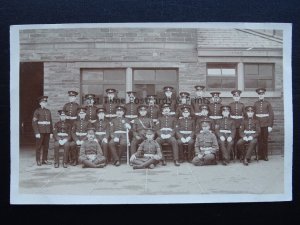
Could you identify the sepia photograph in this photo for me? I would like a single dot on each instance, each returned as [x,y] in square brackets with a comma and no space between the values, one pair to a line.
[144,113]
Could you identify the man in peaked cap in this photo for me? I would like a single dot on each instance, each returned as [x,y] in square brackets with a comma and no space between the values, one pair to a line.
[110,103]
[42,127]
[249,132]
[139,127]
[184,101]
[102,126]
[62,136]
[185,132]
[225,131]
[206,146]
[237,114]
[91,110]
[166,132]
[119,127]
[131,106]
[148,154]
[199,99]
[169,98]
[153,109]
[204,111]
[91,155]
[215,106]
[265,115]
[71,107]
[79,131]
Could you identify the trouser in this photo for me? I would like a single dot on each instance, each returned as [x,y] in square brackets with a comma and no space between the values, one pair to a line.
[56,151]
[246,153]
[190,145]
[263,142]
[103,145]
[122,147]
[74,150]
[134,143]
[225,147]
[144,162]
[208,159]
[42,142]
[236,139]
[93,163]
[172,141]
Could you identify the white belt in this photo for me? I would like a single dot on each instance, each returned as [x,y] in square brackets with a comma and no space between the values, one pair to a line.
[100,133]
[80,134]
[226,131]
[237,117]
[185,132]
[215,117]
[110,115]
[62,134]
[198,114]
[44,122]
[166,129]
[262,115]
[249,131]
[120,132]
[71,117]
[131,116]
[171,113]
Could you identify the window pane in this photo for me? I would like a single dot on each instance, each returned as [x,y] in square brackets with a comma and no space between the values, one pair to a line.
[144,74]
[228,72]
[214,72]
[265,83]
[228,83]
[251,84]
[266,70]
[251,69]
[144,89]
[166,75]
[214,82]
[115,75]
[92,89]
[92,74]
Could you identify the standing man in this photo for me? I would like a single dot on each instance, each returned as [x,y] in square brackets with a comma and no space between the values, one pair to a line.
[42,127]
[184,101]
[62,136]
[225,131]
[215,106]
[110,104]
[249,132]
[71,107]
[102,130]
[139,127]
[166,131]
[185,132]
[153,110]
[79,131]
[119,127]
[237,114]
[265,115]
[131,106]
[206,146]
[169,98]
[91,110]
[199,100]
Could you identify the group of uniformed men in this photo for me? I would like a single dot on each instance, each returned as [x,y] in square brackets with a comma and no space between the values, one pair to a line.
[203,130]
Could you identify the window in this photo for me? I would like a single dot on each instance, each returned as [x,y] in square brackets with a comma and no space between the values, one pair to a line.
[96,81]
[152,81]
[221,76]
[259,75]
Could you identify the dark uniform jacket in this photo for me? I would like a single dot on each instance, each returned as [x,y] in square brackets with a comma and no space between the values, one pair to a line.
[79,130]
[166,125]
[250,127]
[42,121]
[91,113]
[102,129]
[153,111]
[118,124]
[140,125]
[215,110]
[264,113]
[225,127]
[70,109]
[206,140]
[185,127]
[196,102]
[62,130]
[110,107]
[237,112]
[131,110]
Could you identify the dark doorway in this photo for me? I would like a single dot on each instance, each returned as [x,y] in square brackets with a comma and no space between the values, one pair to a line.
[31,87]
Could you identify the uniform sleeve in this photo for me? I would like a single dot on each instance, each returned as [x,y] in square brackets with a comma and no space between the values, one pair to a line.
[34,122]
[99,149]
[55,133]
[140,150]
[271,115]
[215,144]
[82,155]
[197,146]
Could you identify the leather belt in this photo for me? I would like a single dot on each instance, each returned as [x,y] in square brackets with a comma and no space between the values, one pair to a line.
[44,122]
[185,132]
[236,117]
[120,132]
[262,115]
[249,131]
[100,133]
[226,131]
[80,134]
[62,134]
[215,117]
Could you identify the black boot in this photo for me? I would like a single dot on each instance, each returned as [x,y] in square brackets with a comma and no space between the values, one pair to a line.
[176,163]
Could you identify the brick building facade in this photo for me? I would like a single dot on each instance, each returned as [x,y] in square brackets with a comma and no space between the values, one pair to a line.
[146,59]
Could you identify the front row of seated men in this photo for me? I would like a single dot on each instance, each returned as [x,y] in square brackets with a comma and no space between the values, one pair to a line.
[202,139]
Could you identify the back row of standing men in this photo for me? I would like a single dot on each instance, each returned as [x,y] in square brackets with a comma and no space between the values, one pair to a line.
[175,122]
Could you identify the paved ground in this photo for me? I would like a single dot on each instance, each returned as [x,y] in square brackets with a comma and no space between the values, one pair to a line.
[257,178]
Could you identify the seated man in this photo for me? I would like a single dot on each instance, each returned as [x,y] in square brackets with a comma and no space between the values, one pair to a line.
[249,131]
[206,146]
[62,136]
[148,153]
[91,155]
